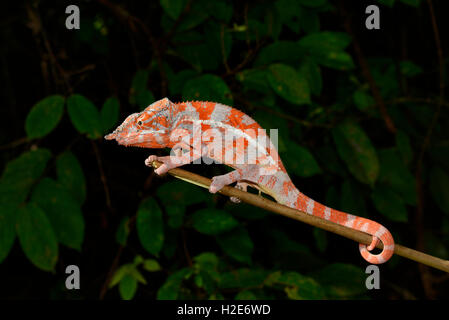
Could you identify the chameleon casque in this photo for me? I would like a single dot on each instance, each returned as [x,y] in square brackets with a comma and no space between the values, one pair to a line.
[195,130]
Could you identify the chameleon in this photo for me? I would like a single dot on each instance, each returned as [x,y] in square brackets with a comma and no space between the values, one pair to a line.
[194,131]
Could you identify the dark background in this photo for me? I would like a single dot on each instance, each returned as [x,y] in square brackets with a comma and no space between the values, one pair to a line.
[40,57]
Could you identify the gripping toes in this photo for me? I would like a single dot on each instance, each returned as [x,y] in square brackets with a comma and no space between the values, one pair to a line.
[218,182]
[241,186]
[166,163]
[150,159]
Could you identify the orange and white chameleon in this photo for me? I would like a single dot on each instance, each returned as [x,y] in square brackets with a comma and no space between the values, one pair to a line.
[195,130]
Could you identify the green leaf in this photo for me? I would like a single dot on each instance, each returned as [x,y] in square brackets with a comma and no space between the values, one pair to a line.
[300,161]
[219,40]
[127,287]
[413,3]
[127,269]
[219,9]
[288,84]
[439,188]
[341,280]
[170,289]
[356,150]
[173,7]
[245,295]
[198,54]
[363,101]
[279,51]
[44,116]
[84,116]
[254,79]
[237,244]
[313,3]
[409,69]
[325,40]
[388,3]
[109,114]
[395,175]
[151,265]
[207,87]
[243,278]
[299,287]
[120,273]
[206,261]
[71,176]
[123,230]
[144,99]
[311,71]
[7,228]
[177,81]
[175,213]
[20,174]
[389,204]
[213,221]
[327,47]
[150,227]
[36,237]
[63,212]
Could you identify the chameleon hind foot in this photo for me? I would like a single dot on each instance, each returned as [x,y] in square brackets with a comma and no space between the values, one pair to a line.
[241,186]
[218,182]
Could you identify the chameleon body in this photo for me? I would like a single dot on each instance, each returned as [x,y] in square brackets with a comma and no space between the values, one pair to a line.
[192,130]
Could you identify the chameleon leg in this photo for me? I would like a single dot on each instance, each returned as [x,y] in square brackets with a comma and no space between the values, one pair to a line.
[174,161]
[241,186]
[219,182]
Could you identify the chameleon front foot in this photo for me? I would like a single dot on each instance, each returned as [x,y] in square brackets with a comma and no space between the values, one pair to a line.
[166,163]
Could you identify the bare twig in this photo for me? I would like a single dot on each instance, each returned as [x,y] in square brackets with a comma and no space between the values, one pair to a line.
[258,201]
[111,271]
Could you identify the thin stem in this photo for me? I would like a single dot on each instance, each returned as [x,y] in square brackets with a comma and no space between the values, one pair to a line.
[258,201]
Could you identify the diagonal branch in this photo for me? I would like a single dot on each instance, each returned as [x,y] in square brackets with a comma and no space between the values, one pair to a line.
[258,201]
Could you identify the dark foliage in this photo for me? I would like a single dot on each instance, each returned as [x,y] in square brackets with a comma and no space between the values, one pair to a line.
[362,118]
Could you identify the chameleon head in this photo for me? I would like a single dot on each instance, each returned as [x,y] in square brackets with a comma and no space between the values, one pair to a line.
[149,128]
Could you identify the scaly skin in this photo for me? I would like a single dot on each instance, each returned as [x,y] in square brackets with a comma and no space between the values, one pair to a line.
[189,129]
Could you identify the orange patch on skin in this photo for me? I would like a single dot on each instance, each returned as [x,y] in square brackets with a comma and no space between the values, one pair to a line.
[287,187]
[318,210]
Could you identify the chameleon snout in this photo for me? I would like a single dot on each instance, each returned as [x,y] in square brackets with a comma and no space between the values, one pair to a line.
[110,136]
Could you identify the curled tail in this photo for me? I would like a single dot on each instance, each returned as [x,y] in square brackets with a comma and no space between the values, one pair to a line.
[378,231]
